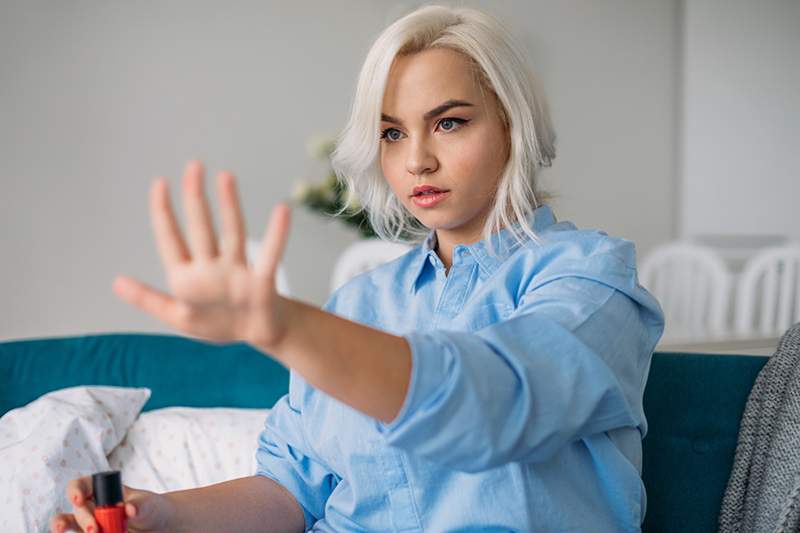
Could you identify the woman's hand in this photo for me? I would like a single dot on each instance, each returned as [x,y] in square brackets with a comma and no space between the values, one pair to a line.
[146,511]
[215,294]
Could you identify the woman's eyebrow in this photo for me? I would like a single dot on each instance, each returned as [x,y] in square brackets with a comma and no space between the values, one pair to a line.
[438,110]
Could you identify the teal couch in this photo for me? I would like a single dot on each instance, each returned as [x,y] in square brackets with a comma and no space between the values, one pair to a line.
[693,402]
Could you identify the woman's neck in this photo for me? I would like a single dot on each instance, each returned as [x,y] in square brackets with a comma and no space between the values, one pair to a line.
[447,240]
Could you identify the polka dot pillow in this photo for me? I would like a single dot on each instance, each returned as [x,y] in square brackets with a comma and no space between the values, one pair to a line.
[177,448]
[64,434]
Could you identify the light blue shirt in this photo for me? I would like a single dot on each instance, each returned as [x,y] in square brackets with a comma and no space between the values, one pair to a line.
[524,410]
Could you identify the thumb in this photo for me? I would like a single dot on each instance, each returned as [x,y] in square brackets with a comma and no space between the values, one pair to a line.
[144,509]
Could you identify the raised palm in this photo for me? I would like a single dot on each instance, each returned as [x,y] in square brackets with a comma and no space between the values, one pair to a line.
[216,295]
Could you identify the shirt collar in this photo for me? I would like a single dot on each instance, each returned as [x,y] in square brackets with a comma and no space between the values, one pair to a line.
[504,245]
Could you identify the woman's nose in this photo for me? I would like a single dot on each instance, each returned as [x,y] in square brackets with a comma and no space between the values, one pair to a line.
[420,158]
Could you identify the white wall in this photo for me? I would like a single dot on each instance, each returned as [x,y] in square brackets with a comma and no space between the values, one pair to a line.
[97,98]
[741,118]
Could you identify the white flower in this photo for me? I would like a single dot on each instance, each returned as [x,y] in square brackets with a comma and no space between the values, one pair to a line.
[328,193]
[352,201]
[300,191]
[320,146]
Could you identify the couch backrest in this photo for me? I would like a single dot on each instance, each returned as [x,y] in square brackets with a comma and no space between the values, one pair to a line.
[178,370]
[693,404]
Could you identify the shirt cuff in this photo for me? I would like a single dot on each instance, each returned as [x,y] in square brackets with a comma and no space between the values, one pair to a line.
[429,370]
[308,518]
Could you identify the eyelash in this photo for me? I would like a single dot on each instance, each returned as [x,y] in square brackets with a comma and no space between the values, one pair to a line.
[460,122]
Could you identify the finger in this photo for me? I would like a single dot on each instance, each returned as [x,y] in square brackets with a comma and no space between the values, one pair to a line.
[79,490]
[134,498]
[202,240]
[171,246]
[274,243]
[141,511]
[63,521]
[131,510]
[233,226]
[159,304]
[85,518]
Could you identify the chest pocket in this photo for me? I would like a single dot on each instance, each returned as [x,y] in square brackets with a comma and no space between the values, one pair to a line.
[475,317]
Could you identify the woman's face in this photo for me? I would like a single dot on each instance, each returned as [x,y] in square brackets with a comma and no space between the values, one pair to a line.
[438,129]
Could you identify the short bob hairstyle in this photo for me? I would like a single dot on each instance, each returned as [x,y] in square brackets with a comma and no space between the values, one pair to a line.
[500,69]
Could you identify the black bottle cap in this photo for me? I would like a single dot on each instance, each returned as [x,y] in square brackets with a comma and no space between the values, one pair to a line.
[107,488]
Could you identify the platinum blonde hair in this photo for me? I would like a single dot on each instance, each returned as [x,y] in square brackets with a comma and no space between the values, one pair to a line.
[500,69]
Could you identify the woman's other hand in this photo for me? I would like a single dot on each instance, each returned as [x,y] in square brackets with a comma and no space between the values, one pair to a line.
[215,294]
[146,511]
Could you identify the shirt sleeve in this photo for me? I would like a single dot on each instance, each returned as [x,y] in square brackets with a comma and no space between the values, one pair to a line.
[284,454]
[570,361]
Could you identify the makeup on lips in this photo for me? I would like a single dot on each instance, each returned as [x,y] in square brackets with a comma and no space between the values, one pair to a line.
[428,195]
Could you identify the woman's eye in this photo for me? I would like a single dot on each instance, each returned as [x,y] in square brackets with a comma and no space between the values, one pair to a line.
[451,124]
[391,134]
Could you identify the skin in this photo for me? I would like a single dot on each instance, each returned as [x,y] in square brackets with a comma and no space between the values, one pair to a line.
[466,158]
[216,296]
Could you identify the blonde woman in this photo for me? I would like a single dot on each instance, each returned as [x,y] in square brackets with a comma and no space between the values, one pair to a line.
[491,379]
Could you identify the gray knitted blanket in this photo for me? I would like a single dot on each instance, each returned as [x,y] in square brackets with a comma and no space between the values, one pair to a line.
[763,492]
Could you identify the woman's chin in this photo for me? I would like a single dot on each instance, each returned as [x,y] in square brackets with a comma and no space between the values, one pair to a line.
[432,222]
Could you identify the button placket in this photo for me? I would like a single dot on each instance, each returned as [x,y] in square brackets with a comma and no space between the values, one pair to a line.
[455,289]
[404,514]
[398,493]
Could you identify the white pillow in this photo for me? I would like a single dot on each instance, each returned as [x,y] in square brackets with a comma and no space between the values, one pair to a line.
[177,448]
[61,435]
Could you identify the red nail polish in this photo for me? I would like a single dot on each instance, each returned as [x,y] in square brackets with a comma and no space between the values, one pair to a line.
[107,490]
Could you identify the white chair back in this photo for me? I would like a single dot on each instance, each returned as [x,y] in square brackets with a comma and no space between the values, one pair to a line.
[362,256]
[768,292]
[693,286]
[252,249]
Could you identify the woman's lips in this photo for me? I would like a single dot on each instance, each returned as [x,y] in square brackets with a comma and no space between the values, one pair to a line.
[429,200]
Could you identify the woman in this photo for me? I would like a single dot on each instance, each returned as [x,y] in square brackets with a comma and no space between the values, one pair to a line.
[490,379]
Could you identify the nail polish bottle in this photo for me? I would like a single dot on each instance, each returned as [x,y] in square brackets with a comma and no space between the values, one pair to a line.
[109,510]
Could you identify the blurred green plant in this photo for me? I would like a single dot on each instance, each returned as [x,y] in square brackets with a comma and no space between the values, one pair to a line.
[330,196]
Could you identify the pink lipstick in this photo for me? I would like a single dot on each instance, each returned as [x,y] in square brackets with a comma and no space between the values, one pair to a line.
[428,195]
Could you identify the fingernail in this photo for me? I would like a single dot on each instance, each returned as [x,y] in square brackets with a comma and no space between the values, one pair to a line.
[89,528]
